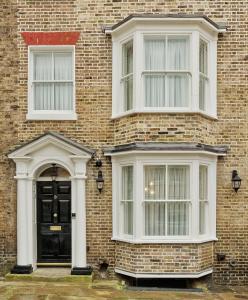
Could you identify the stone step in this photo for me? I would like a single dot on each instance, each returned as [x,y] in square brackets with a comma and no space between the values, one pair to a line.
[51,275]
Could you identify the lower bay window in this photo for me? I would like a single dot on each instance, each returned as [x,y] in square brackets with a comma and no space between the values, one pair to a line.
[164,199]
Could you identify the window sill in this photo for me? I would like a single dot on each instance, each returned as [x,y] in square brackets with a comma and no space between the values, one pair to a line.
[51,116]
[133,112]
[171,241]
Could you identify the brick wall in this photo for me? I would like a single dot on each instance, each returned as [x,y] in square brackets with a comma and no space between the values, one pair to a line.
[8,131]
[95,129]
[164,258]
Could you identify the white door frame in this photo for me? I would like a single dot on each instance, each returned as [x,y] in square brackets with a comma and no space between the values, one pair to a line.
[29,161]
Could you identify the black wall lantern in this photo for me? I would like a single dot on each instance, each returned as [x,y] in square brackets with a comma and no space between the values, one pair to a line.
[99,181]
[236,180]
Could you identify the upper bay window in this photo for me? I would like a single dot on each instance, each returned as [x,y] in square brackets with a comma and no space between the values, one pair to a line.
[164,65]
[51,83]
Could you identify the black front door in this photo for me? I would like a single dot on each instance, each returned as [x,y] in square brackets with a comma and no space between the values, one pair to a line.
[54,221]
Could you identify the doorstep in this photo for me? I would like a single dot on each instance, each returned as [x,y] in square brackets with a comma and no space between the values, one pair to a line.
[51,275]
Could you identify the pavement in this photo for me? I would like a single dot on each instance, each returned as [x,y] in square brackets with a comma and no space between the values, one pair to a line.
[104,290]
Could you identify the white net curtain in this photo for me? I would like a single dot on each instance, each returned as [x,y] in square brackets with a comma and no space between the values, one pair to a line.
[53,81]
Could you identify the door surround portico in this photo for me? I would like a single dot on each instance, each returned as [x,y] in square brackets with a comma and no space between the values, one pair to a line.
[30,159]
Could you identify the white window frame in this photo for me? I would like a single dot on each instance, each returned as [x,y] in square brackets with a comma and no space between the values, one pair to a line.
[138,33]
[138,162]
[49,114]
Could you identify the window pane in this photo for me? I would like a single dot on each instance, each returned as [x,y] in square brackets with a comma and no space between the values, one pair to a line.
[128,93]
[202,92]
[203,57]
[155,54]
[43,96]
[202,217]
[63,95]
[203,183]
[155,218]
[178,90]
[155,182]
[154,90]
[178,218]
[128,218]
[127,199]
[43,66]
[178,53]
[63,66]
[127,58]
[127,183]
[178,183]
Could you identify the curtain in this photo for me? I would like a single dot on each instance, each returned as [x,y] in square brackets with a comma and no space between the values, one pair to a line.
[127,199]
[178,189]
[178,89]
[53,95]
[155,189]
[128,70]
[203,197]
[162,217]
[166,90]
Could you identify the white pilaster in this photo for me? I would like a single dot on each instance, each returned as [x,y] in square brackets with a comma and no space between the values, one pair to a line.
[24,252]
[79,248]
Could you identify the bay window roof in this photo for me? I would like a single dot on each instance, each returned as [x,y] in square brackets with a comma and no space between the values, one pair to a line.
[167,147]
[200,19]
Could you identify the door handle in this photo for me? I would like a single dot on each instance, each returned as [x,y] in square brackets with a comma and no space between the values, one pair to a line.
[55,215]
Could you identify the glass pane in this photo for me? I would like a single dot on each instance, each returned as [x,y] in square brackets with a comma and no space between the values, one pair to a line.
[155,218]
[127,183]
[203,57]
[203,183]
[155,182]
[154,90]
[128,93]
[63,94]
[63,66]
[202,92]
[178,218]
[155,54]
[178,182]
[178,90]
[202,217]
[127,58]
[43,66]
[43,96]
[178,53]
[128,217]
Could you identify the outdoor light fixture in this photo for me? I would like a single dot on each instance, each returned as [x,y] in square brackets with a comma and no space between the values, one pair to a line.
[236,180]
[99,181]
[98,163]
[54,172]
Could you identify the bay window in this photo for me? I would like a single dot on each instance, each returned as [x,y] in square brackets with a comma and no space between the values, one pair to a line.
[164,66]
[51,83]
[164,199]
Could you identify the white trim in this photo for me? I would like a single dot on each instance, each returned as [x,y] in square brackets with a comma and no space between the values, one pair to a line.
[50,114]
[167,241]
[125,152]
[164,275]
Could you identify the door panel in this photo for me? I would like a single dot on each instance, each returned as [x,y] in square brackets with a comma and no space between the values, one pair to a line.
[54,221]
